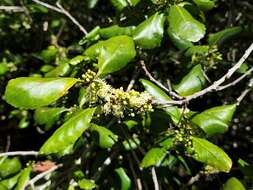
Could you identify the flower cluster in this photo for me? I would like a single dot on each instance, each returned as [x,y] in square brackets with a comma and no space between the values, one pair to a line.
[118,102]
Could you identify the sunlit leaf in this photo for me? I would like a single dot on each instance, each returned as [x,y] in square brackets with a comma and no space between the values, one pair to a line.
[233,184]
[215,120]
[33,92]
[210,154]
[184,25]
[65,136]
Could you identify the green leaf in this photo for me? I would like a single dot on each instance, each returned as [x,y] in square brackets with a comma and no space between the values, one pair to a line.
[180,43]
[210,154]
[60,71]
[68,133]
[184,25]
[93,35]
[92,3]
[153,157]
[9,166]
[113,54]
[159,95]
[149,33]
[24,178]
[193,82]
[106,138]
[199,50]
[33,92]
[125,180]
[48,116]
[215,120]
[168,143]
[3,68]
[48,55]
[223,36]
[86,184]
[119,4]
[205,5]
[233,184]
[131,143]
[10,182]
[116,30]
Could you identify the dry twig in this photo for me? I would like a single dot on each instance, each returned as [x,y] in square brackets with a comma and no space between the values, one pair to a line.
[19,153]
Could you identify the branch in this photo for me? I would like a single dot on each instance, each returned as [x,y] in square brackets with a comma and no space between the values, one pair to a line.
[63,11]
[236,81]
[148,74]
[42,175]
[12,9]
[20,153]
[154,177]
[245,92]
[216,84]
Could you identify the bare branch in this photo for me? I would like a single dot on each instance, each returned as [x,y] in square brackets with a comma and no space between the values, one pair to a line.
[236,81]
[144,68]
[61,10]
[12,9]
[216,84]
[64,11]
[42,175]
[20,153]
[154,177]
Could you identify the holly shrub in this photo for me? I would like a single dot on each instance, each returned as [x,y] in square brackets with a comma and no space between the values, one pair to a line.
[157,95]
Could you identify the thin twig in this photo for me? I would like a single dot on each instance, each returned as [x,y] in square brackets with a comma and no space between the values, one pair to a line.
[12,9]
[61,10]
[217,83]
[154,177]
[42,175]
[64,11]
[134,77]
[245,92]
[8,143]
[148,74]
[236,81]
[194,179]
[19,153]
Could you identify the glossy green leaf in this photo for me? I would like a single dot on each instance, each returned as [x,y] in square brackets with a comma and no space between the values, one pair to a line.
[119,4]
[33,92]
[106,138]
[193,82]
[184,25]
[92,3]
[113,54]
[48,55]
[60,71]
[116,30]
[93,35]
[233,184]
[48,116]
[223,36]
[76,60]
[124,179]
[9,183]
[205,5]
[210,154]
[9,166]
[199,50]
[24,178]
[168,143]
[68,133]
[149,33]
[215,120]
[159,95]
[87,184]
[153,157]
[131,143]
[180,43]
